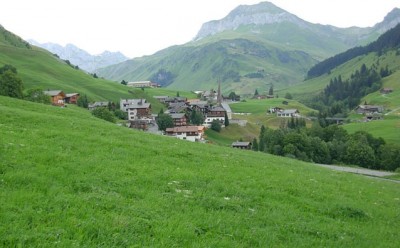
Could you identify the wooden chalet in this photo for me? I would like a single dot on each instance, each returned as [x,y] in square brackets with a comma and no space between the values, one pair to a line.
[179,119]
[71,98]
[191,133]
[242,145]
[57,97]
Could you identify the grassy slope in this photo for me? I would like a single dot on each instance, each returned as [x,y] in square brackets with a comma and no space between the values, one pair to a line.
[69,179]
[39,69]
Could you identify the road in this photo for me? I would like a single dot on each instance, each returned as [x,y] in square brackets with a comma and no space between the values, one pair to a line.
[361,171]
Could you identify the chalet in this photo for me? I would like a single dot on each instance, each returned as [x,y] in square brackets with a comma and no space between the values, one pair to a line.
[161,98]
[179,119]
[57,97]
[386,90]
[139,124]
[288,113]
[177,107]
[71,98]
[139,110]
[215,113]
[369,109]
[273,110]
[201,106]
[242,145]
[96,105]
[191,133]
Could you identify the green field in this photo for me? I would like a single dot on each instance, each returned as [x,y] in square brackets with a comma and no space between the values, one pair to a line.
[388,129]
[68,179]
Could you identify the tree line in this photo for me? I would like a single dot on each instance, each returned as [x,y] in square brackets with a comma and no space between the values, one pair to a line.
[328,145]
[341,96]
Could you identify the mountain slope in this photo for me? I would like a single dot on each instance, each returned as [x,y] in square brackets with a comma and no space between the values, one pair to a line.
[253,47]
[38,68]
[81,58]
[98,184]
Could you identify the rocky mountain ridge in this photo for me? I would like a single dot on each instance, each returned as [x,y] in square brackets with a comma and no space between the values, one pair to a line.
[266,13]
[82,58]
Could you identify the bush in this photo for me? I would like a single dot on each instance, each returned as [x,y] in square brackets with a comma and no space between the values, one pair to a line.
[216,126]
[104,113]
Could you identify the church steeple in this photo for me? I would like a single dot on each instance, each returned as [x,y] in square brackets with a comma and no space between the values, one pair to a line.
[219,96]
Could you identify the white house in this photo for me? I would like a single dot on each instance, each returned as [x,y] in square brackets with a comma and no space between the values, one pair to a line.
[191,133]
[288,113]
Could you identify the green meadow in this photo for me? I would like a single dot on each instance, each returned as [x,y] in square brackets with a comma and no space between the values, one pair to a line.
[68,179]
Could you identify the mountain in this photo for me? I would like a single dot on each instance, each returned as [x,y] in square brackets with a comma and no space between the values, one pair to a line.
[254,46]
[81,58]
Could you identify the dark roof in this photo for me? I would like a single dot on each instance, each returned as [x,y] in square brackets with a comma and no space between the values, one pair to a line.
[241,143]
[139,105]
[177,115]
[183,129]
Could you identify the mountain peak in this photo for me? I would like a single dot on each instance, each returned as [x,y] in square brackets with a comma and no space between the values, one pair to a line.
[258,14]
[390,21]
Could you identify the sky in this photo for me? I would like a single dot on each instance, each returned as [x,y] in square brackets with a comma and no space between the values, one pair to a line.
[143,27]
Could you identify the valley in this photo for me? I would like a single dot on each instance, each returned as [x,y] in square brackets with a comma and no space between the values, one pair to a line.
[282,155]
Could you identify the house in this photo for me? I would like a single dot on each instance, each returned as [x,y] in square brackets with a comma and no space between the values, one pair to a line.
[96,105]
[200,106]
[161,99]
[143,84]
[57,97]
[215,113]
[139,110]
[124,103]
[273,110]
[386,90]
[368,109]
[177,107]
[191,133]
[71,98]
[179,119]
[242,145]
[288,113]
[139,124]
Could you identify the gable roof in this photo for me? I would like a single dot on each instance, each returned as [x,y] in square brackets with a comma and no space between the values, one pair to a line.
[183,129]
[241,143]
[139,105]
[53,92]
[71,94]
[177,115]
[289,111]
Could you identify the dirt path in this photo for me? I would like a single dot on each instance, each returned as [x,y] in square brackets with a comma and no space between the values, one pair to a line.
[361,171]
[394,110]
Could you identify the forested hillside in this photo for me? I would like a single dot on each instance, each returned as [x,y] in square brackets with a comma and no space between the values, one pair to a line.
[389,40]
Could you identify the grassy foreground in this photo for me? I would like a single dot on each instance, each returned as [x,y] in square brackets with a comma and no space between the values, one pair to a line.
[68,179]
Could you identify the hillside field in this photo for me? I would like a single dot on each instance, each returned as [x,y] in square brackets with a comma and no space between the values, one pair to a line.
[68,179]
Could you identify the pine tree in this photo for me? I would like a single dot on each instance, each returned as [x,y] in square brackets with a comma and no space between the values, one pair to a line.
[226,120]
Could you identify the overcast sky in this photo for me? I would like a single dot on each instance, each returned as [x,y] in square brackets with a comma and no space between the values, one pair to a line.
[142,27]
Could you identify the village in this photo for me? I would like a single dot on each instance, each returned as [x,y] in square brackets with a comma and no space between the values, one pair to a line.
[211,105]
